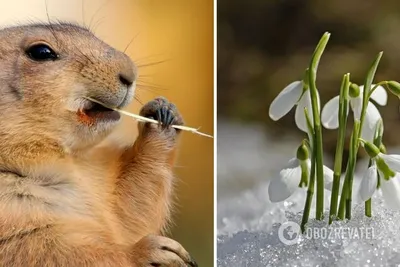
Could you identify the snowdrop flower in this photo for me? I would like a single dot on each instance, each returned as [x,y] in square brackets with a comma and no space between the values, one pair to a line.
[388,168]
[292,177]
[329,116]
[295,94]
[390,188]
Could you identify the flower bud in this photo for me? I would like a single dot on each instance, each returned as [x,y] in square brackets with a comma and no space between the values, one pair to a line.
[371,149]
[302,152]
[354,90]
[393,87]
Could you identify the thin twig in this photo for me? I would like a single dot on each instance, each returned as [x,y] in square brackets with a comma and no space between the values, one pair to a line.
[144,119]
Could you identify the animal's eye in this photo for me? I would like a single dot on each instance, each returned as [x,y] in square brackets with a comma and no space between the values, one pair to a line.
[41,52]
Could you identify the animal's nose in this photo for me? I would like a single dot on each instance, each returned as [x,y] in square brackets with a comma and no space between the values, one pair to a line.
[126,79]
[127,72]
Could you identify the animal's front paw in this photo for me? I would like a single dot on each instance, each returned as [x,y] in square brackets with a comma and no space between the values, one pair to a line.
[159,251]
[166,113]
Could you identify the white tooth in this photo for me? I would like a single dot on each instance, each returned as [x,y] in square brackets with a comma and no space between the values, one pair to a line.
[88,104]
[75,105]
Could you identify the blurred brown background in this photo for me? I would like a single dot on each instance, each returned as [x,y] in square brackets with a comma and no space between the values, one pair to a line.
[265,45]
[179,34]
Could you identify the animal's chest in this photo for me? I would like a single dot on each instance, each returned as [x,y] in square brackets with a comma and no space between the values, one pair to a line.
[75,199]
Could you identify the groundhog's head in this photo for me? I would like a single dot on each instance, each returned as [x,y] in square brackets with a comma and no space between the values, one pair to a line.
[46,71]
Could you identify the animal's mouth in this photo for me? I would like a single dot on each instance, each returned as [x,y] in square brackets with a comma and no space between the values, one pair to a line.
[92,112]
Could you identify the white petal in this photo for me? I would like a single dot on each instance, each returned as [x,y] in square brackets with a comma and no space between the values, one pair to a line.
[379,95]
[286,100]
[391,193]
[372,117]
[369,183]
[330,112]
[305,102]
[392,160]
[356,105]
[357,195]
[283,186]
[308,161]
[300,118]
[328,178]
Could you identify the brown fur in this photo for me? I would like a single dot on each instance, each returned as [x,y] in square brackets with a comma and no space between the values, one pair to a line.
[66,200]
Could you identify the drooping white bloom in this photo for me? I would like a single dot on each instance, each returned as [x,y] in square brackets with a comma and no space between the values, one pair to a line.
[392,160]
[369,183]
[388,167]
[293,95]
[286,100]
[284,185]
[329,116]
[390,188]
[391,192]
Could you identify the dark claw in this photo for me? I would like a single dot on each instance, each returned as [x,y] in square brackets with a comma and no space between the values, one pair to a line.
[170,118]
[164,114]
[193,263]
[159,116]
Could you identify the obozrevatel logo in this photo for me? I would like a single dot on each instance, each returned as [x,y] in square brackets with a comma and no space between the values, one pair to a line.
[289,233]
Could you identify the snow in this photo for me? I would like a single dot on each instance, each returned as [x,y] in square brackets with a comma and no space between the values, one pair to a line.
[248,223]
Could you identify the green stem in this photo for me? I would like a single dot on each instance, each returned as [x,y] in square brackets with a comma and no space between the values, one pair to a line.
[344,205]
[310,190]
[317,124]
[368,203]
[337,171]
[342,211]
[310,193]
[346,198]
[378,143]
[368,208]
[353,157]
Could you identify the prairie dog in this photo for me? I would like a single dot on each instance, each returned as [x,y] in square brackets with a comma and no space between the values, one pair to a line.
[65,200]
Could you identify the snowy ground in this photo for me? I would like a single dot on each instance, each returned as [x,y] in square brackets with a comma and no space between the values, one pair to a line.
[248,224]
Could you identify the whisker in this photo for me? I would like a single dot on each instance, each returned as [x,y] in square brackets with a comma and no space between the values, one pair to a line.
[151,64]
[96,12]
[51,28]
[145,82]
[98,23]
[150,87]
[147,57]
[136,97]
[130,42]
[153,93]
